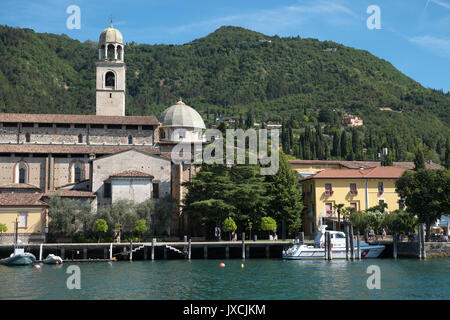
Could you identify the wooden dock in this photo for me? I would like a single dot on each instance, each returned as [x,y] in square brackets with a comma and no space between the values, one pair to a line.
[104,252]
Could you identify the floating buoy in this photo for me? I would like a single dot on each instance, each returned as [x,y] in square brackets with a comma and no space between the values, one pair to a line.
[222,265]
[37,266]
[242,266]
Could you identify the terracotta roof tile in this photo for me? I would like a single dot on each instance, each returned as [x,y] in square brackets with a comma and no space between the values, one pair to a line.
[21,199]
[70,193]
[364,164]
[131,174]
[18,186]
[78,118]
[371,173]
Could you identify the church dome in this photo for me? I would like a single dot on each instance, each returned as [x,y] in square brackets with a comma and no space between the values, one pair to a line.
[181,115]
[110,35]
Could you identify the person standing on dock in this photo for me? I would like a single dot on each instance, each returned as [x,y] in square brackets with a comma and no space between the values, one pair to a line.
[384,234]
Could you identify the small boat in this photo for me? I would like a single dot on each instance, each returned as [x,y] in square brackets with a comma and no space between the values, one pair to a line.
[300,251]
[19,258]
[52,259]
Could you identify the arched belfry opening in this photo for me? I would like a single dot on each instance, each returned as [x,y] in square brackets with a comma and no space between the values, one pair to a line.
[110,80]
[111,52]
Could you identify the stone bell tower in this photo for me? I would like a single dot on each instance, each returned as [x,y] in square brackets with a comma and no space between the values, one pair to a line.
[110,91]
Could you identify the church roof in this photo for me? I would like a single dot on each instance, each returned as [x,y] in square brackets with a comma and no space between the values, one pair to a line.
[181,115]
[18,186]
[78,118]
[65,149]
[70,193]
[110,35]
[21,199]
[131,174]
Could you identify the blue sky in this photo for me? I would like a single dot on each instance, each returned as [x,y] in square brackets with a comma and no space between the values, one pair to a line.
[414,34]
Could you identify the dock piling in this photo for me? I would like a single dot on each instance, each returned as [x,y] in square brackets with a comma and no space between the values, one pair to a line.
[40,252]
[189,249]
[131,250]
[394,248]
[105,253]
[153,248]
[243,245]
[346,242]
[247,251]
[145,253]
[63,253]
[110,251]
[227,252]
[358,245]
[205,252]
[424,253]
[165,252]
[329,249]
[85,253]
[352,244]
[267,252]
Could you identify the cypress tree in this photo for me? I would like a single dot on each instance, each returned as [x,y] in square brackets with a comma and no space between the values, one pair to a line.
[447,154]
[344,145]
[419,160]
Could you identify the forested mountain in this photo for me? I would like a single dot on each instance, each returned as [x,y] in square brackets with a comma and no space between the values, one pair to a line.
[305,83]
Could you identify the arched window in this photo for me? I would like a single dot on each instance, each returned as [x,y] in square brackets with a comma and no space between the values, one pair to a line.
[110,79]
[77,174]
[130,140]
[27,137]
[22,175]
[21,172]
[119,53]
[111,52]
[80,138]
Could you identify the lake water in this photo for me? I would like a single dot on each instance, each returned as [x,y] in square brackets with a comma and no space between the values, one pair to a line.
[204,279]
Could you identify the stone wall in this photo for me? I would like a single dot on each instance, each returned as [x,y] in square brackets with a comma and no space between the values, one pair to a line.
[437,249]
[60,135]
[8,238]
[35,165]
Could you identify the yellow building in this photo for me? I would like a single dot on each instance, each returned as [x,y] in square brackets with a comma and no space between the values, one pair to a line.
[31,215]
[358,188]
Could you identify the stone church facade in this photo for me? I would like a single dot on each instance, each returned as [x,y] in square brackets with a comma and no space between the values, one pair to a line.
[99,158]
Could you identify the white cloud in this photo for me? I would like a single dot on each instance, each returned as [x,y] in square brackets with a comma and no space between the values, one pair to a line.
[435,45]
[440,3]
[279,19]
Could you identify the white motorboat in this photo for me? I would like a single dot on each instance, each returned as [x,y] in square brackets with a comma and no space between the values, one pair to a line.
[307,252]
[52,259]
[19,257]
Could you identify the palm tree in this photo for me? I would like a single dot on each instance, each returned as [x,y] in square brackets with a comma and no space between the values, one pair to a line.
[339,208]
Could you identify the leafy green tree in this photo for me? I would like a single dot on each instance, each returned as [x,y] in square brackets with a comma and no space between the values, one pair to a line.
[62,217]
[268,224]
[100,226]
[426,193]
[447,154]
[361,221]
[228,225]
[3,228]
[140,227]
[399,221]
[285,202]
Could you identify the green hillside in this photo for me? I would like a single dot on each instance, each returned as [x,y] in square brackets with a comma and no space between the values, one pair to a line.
[239,73]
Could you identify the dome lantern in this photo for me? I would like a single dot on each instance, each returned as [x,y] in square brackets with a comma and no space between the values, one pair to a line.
[110,45]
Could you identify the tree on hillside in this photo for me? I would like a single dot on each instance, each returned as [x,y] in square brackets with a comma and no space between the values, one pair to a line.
[447,154]
[426,193]
[419,159]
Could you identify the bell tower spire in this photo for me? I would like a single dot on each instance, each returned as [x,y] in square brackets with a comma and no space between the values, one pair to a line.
[110,84]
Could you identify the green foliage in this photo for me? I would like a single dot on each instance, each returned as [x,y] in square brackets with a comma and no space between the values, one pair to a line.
[285,200]
[228,225]
[140,226]
[268,224]
[360,220]
[419,160]
[231,72]
[100,226]
[3,228]
[426,193]
[399,221]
